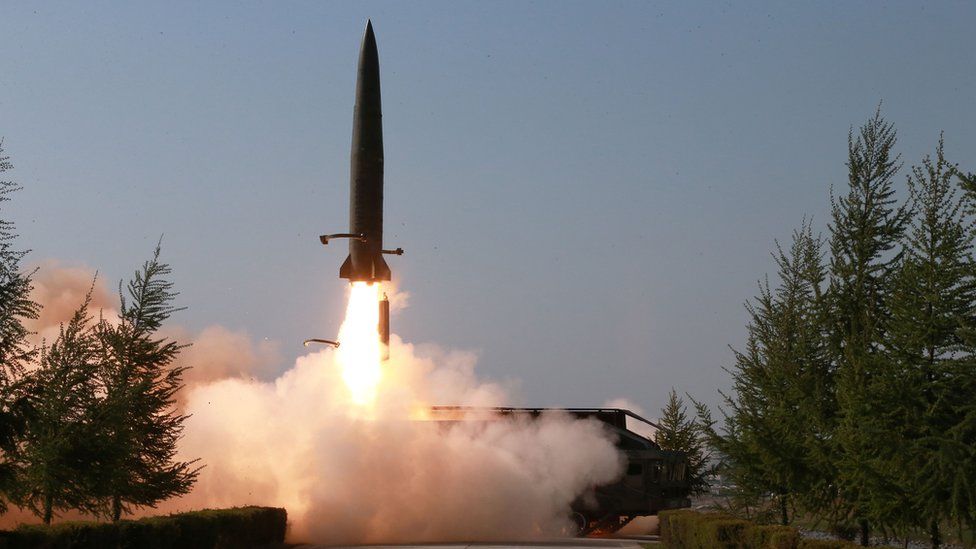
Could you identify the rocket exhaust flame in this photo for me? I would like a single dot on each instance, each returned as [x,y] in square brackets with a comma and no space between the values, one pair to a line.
[361,353]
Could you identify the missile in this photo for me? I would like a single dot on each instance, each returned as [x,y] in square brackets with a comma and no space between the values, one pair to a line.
[365,262]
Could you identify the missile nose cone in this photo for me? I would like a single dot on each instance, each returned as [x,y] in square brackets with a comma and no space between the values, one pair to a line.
[368,56]
[368,37]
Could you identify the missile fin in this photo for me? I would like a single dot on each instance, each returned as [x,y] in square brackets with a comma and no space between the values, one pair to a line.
[381,271]
[346,270]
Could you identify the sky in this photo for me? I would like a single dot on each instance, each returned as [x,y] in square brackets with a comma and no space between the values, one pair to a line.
[587,192]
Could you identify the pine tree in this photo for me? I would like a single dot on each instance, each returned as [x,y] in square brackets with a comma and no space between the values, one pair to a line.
[16,306]
[932,297]
[58,453]
[776,417]
[15,287]
[950,471]
[141,426]
[680,433]
[954,462]
[866,227]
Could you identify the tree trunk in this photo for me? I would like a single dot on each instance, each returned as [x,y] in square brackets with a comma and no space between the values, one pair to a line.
[48,508]
[934,534]
[116,508]
[784,516]
[865,533]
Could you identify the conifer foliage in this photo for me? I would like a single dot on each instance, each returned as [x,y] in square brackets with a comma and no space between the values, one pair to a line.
[930,306]
[16,307]
[88,422]
[854,398]
[867,225]
[59,451]
[773,430]
[680,432]
[141,426]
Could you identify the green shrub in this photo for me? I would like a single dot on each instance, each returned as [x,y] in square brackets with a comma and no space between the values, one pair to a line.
[209,529]
[773,537]
[686,529]
[677,527]
[724,532]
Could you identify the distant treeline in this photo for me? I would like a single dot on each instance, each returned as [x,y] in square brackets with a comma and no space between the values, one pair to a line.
[854,397]
[87,421]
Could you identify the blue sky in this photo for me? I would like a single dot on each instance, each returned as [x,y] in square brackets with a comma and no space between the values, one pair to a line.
[587,192]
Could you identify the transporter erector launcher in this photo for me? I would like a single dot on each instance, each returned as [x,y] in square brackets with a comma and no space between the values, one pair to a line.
[365,262]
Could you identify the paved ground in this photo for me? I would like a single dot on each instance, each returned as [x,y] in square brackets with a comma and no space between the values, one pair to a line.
[629,542]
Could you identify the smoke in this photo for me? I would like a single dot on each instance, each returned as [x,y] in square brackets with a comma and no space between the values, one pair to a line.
[391,475]
[61,289]
[399,299]
[218,352]
[214,353]
[353,474]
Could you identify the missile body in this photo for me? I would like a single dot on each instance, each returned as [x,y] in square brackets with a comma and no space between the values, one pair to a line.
[365,261]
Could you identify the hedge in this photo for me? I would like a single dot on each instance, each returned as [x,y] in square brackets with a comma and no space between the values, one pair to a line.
[686,529]
[245,527]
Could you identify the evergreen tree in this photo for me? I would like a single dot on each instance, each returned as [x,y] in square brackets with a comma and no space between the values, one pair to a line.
[866,227]
[931,302]
[680,433]
[951,471]
[58,454]
[141,426]
[954,460]
[778,415]
[16,306]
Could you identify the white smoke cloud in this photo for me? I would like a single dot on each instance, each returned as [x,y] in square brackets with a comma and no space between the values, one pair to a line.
[391,477]
[217,352]
[346,475]
[214,353]
[61,288]
[399,299]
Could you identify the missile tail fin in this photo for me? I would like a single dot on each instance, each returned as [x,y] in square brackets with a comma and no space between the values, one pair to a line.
[381,271]
[346,270]
[375,269]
